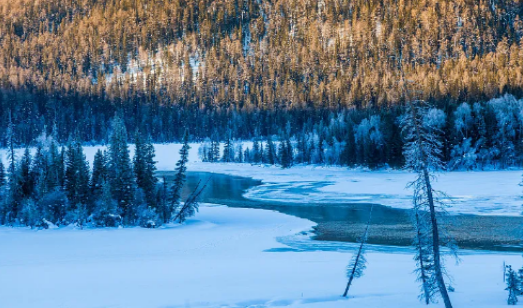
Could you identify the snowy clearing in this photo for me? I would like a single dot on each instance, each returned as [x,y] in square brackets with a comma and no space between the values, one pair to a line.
[472,192]
[225,257]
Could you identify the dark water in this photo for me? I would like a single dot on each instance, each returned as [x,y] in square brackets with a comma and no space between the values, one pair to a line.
[346,221]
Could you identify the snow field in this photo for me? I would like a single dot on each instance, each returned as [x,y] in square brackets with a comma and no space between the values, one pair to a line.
[221,258]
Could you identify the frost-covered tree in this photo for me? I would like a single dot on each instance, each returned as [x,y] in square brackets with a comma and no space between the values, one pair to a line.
[358,262]
[247,156]
[228,148]
[3,180]
[120,173]
[24,174]
[256,153]
[107,212]
[285,153]
[463,154]
[56,167]
[270,151]
[368,138]
[99,174]
[422,151]
[77,176]
[423,257]
[512,286]
[240,156]
[144,168]
[40,171]
[214,153]
[179,178]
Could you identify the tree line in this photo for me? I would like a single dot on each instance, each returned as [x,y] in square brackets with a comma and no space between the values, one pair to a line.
[474,136]
[55,186]
[171,64]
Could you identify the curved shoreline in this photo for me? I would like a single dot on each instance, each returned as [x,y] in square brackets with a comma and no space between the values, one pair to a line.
[345,221]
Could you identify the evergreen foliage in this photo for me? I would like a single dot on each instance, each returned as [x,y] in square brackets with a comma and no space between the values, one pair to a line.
[422,151]
[513,285]
[121,179]
[145,167]
[179,181]
[56,188]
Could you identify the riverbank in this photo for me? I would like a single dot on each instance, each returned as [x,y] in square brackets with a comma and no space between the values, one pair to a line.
[224,257]
[471,192]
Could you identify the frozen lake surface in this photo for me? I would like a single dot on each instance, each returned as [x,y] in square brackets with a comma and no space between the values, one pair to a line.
[342,221]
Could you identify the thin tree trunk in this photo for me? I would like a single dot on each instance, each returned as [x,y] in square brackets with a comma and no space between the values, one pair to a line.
[353,271]
[364,240]
[421,263]
[435,244]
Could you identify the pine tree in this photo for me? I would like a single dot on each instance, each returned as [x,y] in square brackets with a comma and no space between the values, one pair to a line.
[285,153]
[144,168]
[256,152]
[179,179]
[240,157]
[40,171]
[56,167]
[422,151]
[228,151]
[214,154]
[25,176]
[76,176]
[106,213]
[270,151]
[99,175]
[2,174]
[121,178]
[358,262]
[15,190]
[247,155]
[512,286]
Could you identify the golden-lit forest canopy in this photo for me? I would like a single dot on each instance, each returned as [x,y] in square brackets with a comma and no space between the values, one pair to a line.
[95,56]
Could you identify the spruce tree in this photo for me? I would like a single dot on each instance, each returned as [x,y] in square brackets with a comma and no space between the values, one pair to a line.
[24,174]
[144,168]
[56,166]
[214,154]
[3,180]
[179,179]
[256,152]
[228,151]
[422,151]
[77,176]
[40,171]
[240,158]
[99,175]
[15,195]
[270,151]
[121,178]
[512,286]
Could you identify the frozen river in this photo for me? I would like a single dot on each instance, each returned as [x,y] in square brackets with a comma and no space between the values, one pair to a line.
[339,221]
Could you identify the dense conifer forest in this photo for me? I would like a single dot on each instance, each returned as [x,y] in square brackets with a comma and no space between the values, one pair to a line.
[55,186]
[248,69]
